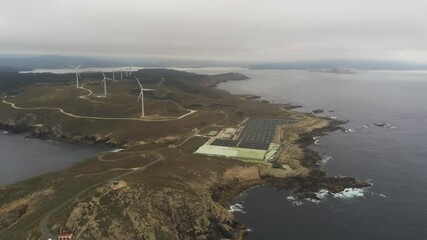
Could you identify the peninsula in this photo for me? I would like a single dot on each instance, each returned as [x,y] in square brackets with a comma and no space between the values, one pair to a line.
[156,187]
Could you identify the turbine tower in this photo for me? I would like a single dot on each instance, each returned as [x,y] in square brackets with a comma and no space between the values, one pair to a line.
[121,74]
[141,96]
[77,73]
[114,75]
[104,81]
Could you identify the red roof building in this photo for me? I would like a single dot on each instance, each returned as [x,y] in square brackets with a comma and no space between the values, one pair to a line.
[65,235]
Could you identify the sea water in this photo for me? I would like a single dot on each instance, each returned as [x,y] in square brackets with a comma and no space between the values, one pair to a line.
[393,158]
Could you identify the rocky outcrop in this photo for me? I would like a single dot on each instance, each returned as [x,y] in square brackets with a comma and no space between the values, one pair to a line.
[141,212]
[212,81]
[29,124]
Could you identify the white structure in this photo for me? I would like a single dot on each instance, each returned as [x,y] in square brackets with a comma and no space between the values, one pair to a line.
[114,73]
[104,81]
[141,96]
[77,73]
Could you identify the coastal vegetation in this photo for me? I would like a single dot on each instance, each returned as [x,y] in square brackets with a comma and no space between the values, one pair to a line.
[156,188]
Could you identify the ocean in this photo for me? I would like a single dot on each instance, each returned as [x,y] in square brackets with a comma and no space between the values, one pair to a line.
[393,157]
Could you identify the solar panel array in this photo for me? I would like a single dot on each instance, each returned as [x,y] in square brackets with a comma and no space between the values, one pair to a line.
[225,142]
[257,133]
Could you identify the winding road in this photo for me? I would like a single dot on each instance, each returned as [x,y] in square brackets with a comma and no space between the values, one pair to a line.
[86,96]
[98,118]
[43,224]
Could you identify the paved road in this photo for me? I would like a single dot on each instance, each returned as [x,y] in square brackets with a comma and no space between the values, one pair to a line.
[196,133]
[99,118]
[43,224]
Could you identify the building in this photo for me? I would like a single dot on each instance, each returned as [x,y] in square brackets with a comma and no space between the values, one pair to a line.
[65,235]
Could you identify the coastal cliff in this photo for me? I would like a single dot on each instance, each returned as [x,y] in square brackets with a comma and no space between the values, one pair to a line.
[180,196]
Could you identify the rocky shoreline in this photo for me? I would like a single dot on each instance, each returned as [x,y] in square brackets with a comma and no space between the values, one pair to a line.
[56,133]
[222,191]
[304,187]
[317,179]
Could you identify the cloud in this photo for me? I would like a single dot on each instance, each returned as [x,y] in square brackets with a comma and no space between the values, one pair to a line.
[250,30]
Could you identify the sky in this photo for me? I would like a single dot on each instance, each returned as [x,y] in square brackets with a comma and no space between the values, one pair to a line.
[225,30]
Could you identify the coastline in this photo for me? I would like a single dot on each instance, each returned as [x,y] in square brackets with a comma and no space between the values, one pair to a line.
[31,131]
[306,186]
[223,191]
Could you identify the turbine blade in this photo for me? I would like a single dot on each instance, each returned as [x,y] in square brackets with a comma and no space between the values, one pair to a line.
[103,74]
[79,65]
[139,83]
[150,90]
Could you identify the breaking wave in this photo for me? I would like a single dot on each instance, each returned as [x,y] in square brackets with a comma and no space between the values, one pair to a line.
[316,140]
[325,159]
[349,130]
[237,207]
[350,193]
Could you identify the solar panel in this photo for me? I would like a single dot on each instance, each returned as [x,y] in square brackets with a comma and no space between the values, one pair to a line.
[256,133]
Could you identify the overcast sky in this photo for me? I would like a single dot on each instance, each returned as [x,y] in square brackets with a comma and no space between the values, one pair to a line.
[234,30]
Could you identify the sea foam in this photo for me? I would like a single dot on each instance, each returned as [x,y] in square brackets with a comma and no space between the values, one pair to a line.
[237,207]
[325,159]
[350,193]
[349,130]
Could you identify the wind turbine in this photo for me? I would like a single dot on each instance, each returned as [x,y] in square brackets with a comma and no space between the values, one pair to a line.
[114,76]
[141,96]
[77,73]
[104,81]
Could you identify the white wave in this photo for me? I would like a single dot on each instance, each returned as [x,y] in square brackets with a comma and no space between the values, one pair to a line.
[382,195]
[325,159]
[333,117]
[297,203]
[349,130]
[322,194]
[249,229]
[117,150]
[313,200]
[291,198]
[294,200]
[364,126]
[5,132]
[350,193]
[316,140]
[237,207]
